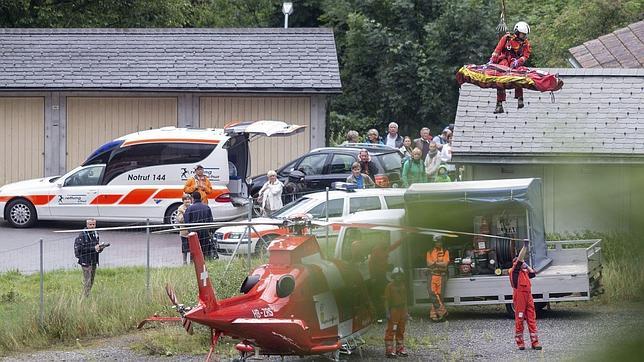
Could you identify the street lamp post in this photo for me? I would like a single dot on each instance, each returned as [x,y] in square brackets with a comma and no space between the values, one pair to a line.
[287,9]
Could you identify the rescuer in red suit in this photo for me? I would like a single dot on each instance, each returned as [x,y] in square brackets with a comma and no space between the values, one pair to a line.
[513,50]
[397,314]
[520,275]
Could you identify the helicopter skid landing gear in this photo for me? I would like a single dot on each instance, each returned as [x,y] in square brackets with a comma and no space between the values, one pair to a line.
[351,344]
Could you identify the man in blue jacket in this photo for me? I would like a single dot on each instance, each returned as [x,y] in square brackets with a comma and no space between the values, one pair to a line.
[199,212]
[86,248]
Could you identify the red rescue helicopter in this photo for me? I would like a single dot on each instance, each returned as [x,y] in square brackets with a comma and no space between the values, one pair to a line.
[299,303]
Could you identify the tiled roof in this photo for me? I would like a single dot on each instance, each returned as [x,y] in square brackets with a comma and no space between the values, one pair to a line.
[623,48]
[598,113]
[295,59]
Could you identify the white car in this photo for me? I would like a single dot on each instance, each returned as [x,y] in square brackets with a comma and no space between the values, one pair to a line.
[141,176]
[341,204]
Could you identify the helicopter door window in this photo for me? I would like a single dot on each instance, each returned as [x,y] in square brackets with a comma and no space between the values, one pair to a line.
[364,204]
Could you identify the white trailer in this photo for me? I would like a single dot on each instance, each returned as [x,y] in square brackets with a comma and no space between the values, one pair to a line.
[566,270]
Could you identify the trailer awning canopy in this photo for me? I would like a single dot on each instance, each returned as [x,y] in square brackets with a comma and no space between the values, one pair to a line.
[510,193]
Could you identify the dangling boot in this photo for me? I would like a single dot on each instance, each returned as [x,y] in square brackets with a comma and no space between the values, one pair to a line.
[520,103]
[499,107]
[534,340]
[519,339]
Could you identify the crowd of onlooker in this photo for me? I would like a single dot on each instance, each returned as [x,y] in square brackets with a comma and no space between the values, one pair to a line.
[424,158]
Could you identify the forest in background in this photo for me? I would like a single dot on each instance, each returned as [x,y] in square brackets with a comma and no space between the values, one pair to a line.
[397,57]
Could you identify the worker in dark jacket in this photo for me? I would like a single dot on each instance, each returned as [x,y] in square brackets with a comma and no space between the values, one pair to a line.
[199,212]
[87,248]
[520,275]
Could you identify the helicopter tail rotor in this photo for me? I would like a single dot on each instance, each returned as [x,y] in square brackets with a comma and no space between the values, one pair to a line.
[182,309]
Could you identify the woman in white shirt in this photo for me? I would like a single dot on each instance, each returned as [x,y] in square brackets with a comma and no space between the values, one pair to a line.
[271,194]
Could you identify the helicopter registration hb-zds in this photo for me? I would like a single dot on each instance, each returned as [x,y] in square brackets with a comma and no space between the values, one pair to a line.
[298,304]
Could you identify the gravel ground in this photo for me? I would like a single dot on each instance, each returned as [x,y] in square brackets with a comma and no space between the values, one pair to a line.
[567,332]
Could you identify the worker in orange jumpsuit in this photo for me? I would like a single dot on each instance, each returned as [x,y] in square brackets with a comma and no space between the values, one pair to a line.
[437,261]
[199,182]
[520,275]
[513,50]
[378,267]
[397,314]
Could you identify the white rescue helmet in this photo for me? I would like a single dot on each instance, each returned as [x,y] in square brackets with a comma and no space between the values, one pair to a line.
[522,27]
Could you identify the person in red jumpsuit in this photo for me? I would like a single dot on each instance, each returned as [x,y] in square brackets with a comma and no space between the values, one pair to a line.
[397,314]
[513,50]
[520,275]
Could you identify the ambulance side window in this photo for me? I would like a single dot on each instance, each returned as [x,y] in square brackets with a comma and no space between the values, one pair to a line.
[156,154]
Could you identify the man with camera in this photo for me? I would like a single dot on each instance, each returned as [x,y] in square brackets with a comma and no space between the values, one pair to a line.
[86,248]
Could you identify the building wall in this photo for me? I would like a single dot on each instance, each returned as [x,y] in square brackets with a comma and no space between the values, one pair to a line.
[49,133]
[266,153]
[22,140]
[577,198]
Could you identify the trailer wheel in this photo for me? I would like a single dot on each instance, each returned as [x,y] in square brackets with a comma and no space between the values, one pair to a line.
[538,307]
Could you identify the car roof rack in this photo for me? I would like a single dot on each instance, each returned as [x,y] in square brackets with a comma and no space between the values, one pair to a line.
[369,146]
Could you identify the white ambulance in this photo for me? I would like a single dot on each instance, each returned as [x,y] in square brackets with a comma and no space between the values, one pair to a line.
[141,176]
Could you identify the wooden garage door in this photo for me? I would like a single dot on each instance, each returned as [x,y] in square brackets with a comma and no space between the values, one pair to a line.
[93,121]
[22,139]
[266,153]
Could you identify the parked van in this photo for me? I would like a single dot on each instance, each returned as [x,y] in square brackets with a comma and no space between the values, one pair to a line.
[477,272]
[141,176]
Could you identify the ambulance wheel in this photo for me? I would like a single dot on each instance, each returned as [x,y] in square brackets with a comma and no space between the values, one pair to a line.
[171,214]
[20,213]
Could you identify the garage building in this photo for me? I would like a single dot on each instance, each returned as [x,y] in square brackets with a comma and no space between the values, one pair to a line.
[64,92]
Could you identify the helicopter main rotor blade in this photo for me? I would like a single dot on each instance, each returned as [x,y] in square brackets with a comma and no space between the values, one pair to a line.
[203,226]
[131,227]
[412,229]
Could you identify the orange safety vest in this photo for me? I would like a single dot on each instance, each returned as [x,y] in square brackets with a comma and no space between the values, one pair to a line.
[438,256]
[193,184]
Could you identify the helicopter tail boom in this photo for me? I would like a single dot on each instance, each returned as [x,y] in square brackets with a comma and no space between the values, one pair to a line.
[207,295]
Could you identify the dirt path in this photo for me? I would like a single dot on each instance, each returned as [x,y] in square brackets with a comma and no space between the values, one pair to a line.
[567,332]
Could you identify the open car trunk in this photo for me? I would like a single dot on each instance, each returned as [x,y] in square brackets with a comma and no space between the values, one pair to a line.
[239,161]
